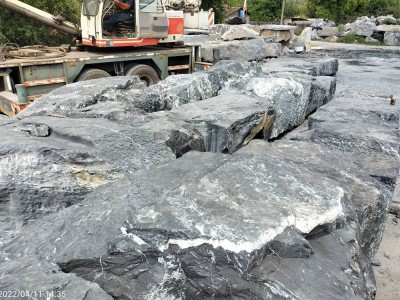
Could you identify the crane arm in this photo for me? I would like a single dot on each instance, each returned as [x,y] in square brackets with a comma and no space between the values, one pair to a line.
[39,15]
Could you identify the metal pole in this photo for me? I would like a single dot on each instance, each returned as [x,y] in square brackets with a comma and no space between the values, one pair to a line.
[283,10]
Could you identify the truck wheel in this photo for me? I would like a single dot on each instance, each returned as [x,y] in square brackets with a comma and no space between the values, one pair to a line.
[146,73]
[92,74]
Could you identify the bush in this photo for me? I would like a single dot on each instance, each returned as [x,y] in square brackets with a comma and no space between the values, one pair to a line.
[389,22]
[341,28]
[351,39]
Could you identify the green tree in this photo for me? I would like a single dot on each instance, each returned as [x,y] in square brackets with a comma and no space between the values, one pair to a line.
[27,32]
[265,10]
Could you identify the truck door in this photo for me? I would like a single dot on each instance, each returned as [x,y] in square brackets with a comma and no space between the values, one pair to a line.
[152,20]
[91,19]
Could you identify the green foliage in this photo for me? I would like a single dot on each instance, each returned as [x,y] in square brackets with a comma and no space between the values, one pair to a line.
[351,39]
[265,10]
[20,30]
[341,28]
[389,22]
[348,10]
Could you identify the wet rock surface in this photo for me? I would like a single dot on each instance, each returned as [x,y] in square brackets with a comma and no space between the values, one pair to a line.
[294,219]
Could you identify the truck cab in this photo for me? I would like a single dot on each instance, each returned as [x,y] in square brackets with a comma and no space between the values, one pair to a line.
[152,24]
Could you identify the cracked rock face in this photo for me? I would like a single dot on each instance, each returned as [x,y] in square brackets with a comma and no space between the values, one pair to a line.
[159,220]
[228,122]
[285,220]
[182,89]
[368,188]
[50,163]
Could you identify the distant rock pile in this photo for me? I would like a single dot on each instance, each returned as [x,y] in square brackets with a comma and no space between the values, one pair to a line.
[386,28]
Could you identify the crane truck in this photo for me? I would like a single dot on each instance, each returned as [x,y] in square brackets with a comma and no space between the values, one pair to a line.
[149,46]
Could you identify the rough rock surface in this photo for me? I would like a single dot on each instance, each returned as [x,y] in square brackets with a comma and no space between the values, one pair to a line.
[101,98]
[389,18]
[169,228]
[368,181]
[41,279]
[247,50]
[182,89]
[228,122]
[392,38]
[292,97]
[374,126]
[328,32]
[215,226]
[390,28]
[239,33]
[279,33]
[364,28]
[43,174]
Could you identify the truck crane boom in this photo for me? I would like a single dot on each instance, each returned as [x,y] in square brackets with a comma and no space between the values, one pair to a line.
[185,5]
[39,15]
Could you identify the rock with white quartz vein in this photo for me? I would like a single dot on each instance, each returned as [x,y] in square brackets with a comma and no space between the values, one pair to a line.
[293,97]
[368,181]
[178,232]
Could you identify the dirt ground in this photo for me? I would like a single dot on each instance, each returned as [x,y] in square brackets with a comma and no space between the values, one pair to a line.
[388,273]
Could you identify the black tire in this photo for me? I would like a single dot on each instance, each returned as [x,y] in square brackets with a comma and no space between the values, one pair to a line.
[90,74]
[146,73]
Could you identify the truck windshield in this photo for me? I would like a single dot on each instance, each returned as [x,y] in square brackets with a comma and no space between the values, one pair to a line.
[153,6]
[90,7]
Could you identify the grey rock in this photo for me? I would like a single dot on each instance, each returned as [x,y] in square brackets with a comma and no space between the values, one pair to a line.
[39,130]
[367,181]
[371,110]
[392,38]
[279,33]
[246,50]
[293,97]
[328,32]
[367,126]
[290,244]
[320,67]
[179,136]
[182,89]
[276,27]
[41,175]
[363,28]
[371,40]
[110,98]
[311,278]
[228,122]
[318,24]
[44,280]
[382,19]
[239,33]
[390,28]
[219,29]
[306,35]
[170,226]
